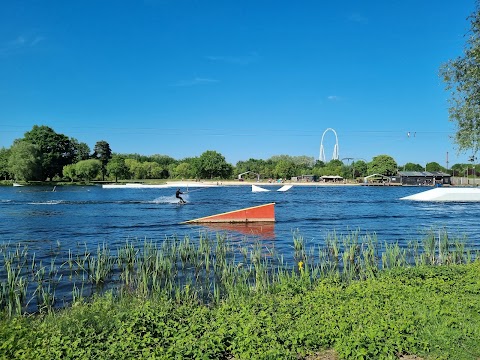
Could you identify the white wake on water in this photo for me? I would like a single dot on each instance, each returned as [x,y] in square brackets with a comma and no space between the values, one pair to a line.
[169,199]
[49,202]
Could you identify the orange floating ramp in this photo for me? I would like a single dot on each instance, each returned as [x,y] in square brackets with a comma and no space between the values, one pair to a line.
[261,213]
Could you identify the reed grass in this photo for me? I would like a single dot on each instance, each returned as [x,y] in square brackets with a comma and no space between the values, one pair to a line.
[209,267]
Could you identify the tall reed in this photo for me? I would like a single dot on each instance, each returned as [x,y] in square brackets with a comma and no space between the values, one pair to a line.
[208,268]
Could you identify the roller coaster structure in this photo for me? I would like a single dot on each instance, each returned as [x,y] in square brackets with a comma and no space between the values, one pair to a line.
[335,148]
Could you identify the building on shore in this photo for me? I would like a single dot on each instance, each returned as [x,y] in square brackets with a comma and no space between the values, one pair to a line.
[331,178]
[304,178]
[422,178]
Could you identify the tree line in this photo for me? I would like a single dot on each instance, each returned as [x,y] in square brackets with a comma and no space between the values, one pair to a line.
[44,155]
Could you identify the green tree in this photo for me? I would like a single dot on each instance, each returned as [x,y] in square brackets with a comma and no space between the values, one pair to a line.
[462,78]
[81,150]
[304,161]
[56,150]
[4,155]
[318,168]
[333,167]
[303,164]
[163,160]
[116,167]
[412,167]
[382,164]
[195,166]
[299,161]
[458,169]
[153,170]
[135,156]
[359,168]
[212,164]
[256,166]
[69,171]
[24,161]
[183,170]
[103,153]
[434,166]
[88,169]
[285,169]
[241,167]
[136,169]
[267,170]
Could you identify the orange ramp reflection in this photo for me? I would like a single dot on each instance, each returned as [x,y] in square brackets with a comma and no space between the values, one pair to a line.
[264,230]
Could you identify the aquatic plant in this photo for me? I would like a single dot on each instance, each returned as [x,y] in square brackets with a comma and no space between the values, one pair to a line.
[208,268]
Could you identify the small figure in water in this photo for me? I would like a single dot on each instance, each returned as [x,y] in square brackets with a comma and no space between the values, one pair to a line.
[177,195]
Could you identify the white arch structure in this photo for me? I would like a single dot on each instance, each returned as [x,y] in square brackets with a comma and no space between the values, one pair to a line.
[335,148]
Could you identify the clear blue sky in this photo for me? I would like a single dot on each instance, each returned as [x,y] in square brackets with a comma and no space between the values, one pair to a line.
[249,79]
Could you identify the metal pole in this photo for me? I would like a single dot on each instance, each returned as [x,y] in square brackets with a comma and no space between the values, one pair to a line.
[472,159]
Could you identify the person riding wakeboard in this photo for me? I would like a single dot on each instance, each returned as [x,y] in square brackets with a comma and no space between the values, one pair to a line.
[177,195]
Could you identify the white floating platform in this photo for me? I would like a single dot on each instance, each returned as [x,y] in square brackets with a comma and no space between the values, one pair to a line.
[159,186]
[190,184]
[462,194]
[134,186]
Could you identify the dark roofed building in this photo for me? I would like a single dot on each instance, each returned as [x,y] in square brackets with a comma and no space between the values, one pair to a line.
[424,178]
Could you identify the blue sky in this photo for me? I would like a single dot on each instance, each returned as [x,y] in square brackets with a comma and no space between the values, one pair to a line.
[249,79]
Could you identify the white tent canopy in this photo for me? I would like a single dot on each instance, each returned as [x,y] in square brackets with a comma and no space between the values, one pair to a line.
[383,177]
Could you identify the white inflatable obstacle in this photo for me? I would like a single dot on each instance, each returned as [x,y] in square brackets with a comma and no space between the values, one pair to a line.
[256,188]
[447,194]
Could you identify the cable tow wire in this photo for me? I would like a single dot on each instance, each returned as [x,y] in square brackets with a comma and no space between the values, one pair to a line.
[202,188]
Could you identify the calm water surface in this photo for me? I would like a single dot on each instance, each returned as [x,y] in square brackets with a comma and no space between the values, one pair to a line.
[91,215]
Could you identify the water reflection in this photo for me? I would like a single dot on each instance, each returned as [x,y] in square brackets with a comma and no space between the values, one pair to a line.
[260,230]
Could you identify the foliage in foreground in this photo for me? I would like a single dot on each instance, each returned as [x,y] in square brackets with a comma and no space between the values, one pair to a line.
[432,311]
[214,268]
[461,76]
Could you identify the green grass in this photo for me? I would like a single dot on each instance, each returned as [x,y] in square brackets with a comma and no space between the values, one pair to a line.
[430,311]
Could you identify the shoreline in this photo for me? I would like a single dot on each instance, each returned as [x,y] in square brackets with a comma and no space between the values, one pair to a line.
[260,183]
[183,183]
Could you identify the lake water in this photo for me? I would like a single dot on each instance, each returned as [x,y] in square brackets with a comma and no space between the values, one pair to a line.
[51,223]
[90,215]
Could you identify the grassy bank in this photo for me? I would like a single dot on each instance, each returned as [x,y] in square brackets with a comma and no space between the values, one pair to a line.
[214,298]
[431,311]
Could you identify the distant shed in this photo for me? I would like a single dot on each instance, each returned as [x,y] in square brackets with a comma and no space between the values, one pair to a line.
[424,178]
[305,178]
[331,178]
